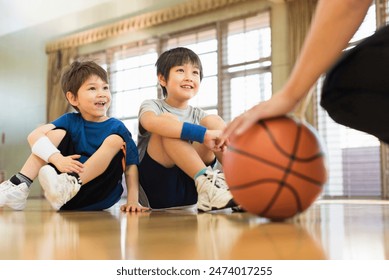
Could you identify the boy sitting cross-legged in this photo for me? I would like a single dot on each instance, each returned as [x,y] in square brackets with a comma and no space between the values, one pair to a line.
[80,157]
[177,142]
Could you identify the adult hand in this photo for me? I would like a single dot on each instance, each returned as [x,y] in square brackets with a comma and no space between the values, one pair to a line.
[280,104]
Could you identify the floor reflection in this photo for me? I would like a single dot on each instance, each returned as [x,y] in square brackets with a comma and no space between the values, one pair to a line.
[328,230]
[216,236]
[351,229]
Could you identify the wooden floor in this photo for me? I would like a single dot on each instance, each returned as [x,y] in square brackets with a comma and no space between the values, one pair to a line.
[334,230]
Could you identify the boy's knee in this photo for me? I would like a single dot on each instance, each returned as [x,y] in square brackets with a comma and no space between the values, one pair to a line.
[56,136]
[113,141]
[213,122]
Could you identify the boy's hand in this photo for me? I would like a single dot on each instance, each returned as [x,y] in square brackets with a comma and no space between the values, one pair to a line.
[133,207]
[213,142]
[67,164]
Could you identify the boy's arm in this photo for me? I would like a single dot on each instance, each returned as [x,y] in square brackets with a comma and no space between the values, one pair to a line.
[167,125]
[39,132]
[42,147]
[132,183]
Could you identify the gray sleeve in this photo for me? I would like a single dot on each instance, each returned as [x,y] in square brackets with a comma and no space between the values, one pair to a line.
[199,115]
[143,135]
[149,105]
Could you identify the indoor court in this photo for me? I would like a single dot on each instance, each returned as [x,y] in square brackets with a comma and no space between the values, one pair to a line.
[248,49]
[328,230]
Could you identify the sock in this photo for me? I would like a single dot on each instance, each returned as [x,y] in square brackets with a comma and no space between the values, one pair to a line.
[201,172]
[19,178]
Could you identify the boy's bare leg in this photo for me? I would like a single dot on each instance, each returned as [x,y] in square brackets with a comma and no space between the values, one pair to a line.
[34,163]
[169,152]
[15,195]
[192,158]
[212,122]
[98,162]
[60,188]
[94,166]
[31,166]
[101,159]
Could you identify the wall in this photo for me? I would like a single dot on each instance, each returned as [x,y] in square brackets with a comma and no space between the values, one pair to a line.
[23,66]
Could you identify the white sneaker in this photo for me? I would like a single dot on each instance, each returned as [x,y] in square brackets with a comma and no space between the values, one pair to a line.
[221,179]
[13,196]
[213,193]
[58,188]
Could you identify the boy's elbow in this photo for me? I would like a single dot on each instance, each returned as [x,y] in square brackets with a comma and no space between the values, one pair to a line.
[31,138]
[35,135]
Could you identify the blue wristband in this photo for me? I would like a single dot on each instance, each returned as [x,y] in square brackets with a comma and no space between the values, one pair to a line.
[193,132]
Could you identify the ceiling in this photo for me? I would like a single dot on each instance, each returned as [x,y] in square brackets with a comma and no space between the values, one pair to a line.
[17,15]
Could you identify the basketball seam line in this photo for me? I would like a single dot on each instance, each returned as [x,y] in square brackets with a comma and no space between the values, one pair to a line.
[282,184]
[274,165]
[281,150]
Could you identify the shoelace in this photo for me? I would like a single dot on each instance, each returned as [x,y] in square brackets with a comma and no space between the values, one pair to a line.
[73,181]
[217,176]
[222,180]
[214,177]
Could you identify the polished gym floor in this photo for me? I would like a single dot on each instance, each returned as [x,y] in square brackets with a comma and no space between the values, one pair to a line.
[335,230]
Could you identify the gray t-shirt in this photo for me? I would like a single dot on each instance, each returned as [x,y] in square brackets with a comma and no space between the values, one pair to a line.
[158,106]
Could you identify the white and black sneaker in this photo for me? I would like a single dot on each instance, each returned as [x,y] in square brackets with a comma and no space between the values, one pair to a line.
[58,188]
[13,196]
[213,193]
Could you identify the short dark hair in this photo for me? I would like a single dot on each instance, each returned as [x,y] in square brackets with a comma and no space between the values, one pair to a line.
[176,57]
[75,74]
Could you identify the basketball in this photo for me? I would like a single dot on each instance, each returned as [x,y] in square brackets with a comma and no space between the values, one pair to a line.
[276,169]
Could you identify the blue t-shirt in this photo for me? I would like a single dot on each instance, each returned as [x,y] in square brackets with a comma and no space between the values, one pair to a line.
[88,136]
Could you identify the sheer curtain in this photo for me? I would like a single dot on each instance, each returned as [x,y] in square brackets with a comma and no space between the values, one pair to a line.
[382,20]
[57,104]
[300,14]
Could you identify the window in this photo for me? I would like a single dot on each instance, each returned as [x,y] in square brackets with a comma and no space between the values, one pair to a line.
[133,79]
[382,12]
[246,71]
[245,75]
[204,43]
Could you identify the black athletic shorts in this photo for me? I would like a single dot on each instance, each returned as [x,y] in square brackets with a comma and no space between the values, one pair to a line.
[356,90]
[103,191]
[166,187]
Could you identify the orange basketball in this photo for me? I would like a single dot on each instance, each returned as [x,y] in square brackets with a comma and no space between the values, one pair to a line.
[277,168]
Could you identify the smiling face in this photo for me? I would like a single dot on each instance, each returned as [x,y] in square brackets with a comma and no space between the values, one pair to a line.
[92,100]
[182,85]
[177,57]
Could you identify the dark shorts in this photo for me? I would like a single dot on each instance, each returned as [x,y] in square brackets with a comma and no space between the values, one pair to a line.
[166,187]
[103,191]
[356,90]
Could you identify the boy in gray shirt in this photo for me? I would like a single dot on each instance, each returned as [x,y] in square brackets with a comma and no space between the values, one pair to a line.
[179,144]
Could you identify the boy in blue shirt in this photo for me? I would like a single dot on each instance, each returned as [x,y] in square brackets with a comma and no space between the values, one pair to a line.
[80,157]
